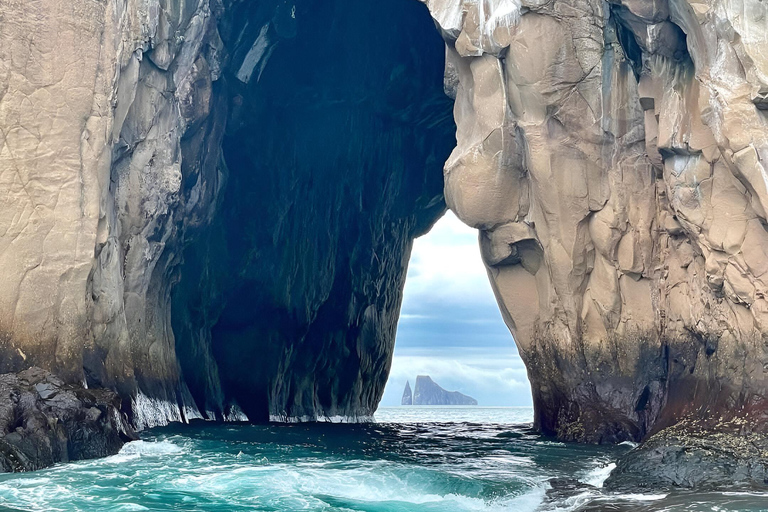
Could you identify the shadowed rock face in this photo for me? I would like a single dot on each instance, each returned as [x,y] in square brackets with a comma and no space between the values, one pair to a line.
[334,167]
[209,206]
[612,156]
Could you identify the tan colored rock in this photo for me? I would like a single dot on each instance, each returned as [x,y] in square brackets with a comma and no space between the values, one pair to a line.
[90,174]
[640,148]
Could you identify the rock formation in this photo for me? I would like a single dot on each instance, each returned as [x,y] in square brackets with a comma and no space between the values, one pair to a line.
[407,395]
[428,392]
[44,421]
[208,206]
[613,157]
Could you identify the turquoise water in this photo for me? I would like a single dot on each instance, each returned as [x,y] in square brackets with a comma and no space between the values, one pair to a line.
[412,459]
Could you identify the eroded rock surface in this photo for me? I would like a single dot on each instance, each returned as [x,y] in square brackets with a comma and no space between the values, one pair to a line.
[209,205]
[613,157]
[104,115]
[44,421]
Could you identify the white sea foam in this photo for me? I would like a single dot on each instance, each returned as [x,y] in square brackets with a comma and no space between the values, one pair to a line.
[150,448]
[640,497]
[598,475]
[138,449]
[281,418]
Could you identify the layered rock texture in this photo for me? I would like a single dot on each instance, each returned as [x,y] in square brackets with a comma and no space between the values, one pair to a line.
[208,206]
[614,157]
[428,392]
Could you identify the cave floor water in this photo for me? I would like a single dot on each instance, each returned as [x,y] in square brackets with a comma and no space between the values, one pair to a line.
[412,459]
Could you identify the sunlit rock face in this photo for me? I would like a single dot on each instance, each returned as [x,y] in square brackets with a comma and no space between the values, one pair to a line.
[206,203]
[105,122]
[613,157]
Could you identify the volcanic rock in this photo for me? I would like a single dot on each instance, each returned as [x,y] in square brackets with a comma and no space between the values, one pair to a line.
[613,156]
[44,421]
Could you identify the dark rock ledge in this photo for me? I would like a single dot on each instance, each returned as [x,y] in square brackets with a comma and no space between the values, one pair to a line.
[695,455]
[44,421]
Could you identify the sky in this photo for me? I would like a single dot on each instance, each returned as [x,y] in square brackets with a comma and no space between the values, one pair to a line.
[450,327]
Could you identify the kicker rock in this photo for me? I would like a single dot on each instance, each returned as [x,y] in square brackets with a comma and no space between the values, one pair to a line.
[613,157]
[428,392]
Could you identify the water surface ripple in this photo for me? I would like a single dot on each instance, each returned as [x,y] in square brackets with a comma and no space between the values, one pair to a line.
[412,459]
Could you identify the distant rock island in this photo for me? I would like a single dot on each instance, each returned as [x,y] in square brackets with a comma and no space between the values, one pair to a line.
[428,392]
[407,395]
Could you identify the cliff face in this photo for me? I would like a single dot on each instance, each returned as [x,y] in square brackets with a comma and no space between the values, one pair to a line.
[613,157]
[201,206]
[428,392]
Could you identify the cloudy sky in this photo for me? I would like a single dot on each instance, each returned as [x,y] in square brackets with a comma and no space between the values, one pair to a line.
[450,326]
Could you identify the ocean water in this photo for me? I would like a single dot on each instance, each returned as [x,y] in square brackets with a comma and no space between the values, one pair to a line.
[417,459]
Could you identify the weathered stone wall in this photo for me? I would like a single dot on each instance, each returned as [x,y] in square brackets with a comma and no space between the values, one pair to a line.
[613,157]
[97,99]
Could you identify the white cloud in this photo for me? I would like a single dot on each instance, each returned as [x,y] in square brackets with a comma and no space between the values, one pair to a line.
[446,266]
[491,378]
[450,326]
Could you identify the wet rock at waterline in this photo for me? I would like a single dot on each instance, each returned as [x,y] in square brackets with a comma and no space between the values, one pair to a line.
[44,421]
[613,157]
[695,456]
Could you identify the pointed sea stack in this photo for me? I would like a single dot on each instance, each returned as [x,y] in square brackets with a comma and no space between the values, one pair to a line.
[407,396]
[427,392]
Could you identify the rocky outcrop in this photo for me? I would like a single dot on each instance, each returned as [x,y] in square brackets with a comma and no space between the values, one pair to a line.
[428,392]
[44,421]
[207,205]
[407,395]
[693,454]
[288,305]
[613,157]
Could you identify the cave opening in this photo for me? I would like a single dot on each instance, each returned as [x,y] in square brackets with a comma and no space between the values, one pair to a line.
[337,128]
[450,327]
